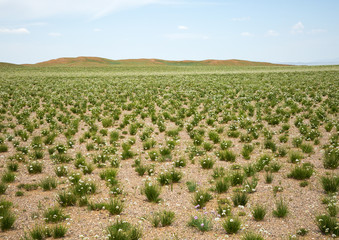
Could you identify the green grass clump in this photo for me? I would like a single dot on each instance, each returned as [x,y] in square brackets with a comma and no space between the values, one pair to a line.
[3,148]
[331,158]
[59,231]
[258,212]
[180,163]
[165,218]
[152,192]
[327,224]
[295,157]
[281,210]
[34,167]
[48,183]
[263,161]
[330,183]
[123,230]
[236,178]
[84,187]
[240,198]
[7,218]
[192,186]
[168,177]
[201,223]
[8,177]
[232,225]
[66,198]
[301,172]
[207,163]
[306,148]
[54,215]
[3,188]
[201,198]
[252,236]
[222,185]
[226,155]
[114,206]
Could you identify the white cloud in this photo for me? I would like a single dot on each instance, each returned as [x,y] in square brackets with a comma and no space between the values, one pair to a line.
[272,33]
[241,19]
[317,31]
[298,28]
[246,34]
[183,36]
[182,27]
[54,34]
[97,29]
[37,9]
[14,31]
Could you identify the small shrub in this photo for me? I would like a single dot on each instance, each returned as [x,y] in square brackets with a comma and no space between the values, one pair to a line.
[201,198]
[231,225]
[201,223]
[281,210]
[258,212]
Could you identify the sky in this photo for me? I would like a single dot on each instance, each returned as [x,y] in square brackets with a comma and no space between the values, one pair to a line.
[32,31]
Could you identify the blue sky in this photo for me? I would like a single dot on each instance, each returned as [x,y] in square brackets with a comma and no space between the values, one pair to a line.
[263,30]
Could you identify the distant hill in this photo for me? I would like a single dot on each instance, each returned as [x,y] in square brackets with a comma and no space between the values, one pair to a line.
[4,64]
[104,62]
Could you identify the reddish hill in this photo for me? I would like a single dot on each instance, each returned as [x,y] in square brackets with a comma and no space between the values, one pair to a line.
[104,62]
